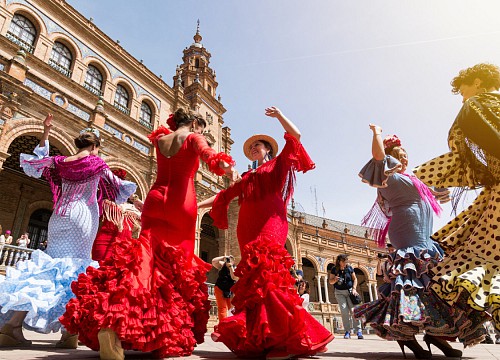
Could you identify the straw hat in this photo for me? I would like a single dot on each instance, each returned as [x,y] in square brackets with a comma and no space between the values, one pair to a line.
[254,138]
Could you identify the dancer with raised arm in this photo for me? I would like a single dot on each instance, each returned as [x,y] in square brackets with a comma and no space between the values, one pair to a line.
[269,319]
[470,274]
[404,210]
[34,294]
[150,295]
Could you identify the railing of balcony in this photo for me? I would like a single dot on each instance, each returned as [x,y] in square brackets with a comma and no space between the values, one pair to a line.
[92,89]
[23,44]
[65,71]
[122,108]
[10,255]
[146,124]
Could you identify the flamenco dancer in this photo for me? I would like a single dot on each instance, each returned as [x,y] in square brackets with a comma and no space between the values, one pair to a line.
[404,209]
[150,295]
[269,319]
[122,220]
[34,294]
[470,274]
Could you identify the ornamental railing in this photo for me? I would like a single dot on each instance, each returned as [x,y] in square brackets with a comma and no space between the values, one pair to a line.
[122,108]
[23,44]
[92,89]
[63,70]
[10,255]
[146,124]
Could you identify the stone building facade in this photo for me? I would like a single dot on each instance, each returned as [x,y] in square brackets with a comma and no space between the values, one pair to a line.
[53,59]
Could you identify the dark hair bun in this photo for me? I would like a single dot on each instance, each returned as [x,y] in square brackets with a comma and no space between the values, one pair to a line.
[87,139]
[181,117]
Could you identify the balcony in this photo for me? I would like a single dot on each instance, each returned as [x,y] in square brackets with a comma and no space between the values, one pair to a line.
[22,44]
[10,255]
[122,108]
[146,124]
[65,71]
[92,89]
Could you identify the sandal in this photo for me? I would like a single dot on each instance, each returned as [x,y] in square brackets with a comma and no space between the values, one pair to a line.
[7,338]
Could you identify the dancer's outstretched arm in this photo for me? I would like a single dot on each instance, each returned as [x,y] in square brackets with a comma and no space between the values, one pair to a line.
[47,125]
[289,126]
[378,152]
[207,203]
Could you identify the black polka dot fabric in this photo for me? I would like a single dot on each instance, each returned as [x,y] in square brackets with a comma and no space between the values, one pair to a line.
[471,240]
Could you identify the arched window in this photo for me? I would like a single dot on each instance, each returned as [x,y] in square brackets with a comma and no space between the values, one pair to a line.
[146,115]
[61,59]
[121,99]
[22,32]
[93,80]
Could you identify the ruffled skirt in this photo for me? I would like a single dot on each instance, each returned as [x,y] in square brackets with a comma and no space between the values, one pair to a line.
[42,287]
[406,306]
[268,311]
[154,301]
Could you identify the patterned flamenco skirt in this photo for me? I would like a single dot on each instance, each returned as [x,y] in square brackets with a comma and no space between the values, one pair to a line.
[155,300]
[269,319]
[406,305]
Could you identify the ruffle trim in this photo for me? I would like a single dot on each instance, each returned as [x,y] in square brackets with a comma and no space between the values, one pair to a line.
[166,312]
[278,322]
[214,160]
[42,287]
[406,306]
[156,134]
[376,172]
[299,157]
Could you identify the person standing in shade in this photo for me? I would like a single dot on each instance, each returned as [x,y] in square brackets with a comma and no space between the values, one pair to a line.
[344,281]
[224,283]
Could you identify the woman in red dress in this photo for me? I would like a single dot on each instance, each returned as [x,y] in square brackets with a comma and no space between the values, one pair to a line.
[115,220]
[151,294]
[269,319]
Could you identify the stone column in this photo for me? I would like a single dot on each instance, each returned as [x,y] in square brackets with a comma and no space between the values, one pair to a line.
[325,282]
[370,291]
[375,293]
[320,296]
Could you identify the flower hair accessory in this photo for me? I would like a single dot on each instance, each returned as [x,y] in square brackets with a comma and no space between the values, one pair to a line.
[171,122]
[391,141]
[91,130]
[120,173]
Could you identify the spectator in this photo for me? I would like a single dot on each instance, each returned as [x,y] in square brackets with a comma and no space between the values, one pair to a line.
[345,281]
[304,293]
[383,266]
[23,241]
[43,245]
[224,283]
[6,239]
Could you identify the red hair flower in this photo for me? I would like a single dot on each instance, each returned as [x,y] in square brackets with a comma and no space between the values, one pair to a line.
[120,173]
[171,122]
[391,141]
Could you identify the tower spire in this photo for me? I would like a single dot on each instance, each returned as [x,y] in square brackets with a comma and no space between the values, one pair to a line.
[197,37]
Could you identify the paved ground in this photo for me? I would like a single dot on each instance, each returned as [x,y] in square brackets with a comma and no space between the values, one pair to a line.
[372,348]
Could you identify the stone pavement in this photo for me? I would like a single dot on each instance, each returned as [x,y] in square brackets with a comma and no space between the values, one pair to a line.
[371,348]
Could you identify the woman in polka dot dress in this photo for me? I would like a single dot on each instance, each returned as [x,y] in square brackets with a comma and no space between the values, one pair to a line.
[471,273]
[34,294]
[404,209]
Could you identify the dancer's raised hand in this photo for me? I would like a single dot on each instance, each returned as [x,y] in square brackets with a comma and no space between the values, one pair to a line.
[377,130]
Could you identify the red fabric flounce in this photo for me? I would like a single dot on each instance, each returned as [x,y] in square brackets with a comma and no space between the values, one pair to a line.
[165,311]
[214,160]
[155,134]
[299,156]
[268,311]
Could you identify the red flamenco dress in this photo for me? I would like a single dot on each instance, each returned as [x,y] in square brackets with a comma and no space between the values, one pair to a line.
[152,291]
[269,319]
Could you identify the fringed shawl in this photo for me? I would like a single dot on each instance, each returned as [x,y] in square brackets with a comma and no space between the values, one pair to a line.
[474,135]
[276,176]
[76,175]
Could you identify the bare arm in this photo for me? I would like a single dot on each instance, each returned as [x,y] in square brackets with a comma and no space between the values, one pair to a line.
[47,125]
[354,283]
[284,121]
[231,272]
[378,152]
[218,262]
[207,203]
[332,279]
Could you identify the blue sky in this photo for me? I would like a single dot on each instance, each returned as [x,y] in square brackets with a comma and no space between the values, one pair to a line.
[331,66]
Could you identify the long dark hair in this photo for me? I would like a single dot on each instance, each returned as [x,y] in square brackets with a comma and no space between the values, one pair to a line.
[341,257]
